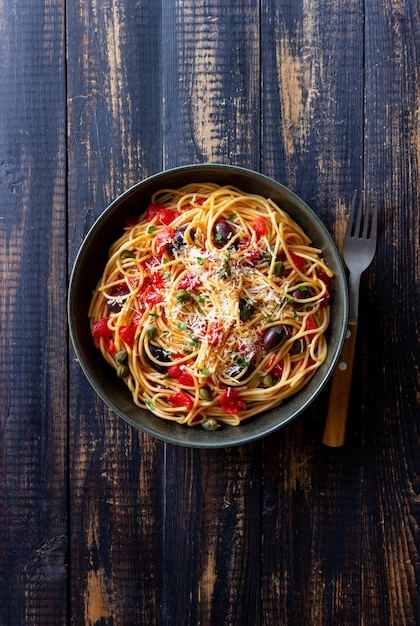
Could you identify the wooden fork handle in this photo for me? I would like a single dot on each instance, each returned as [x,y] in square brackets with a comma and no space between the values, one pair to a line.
[335,424]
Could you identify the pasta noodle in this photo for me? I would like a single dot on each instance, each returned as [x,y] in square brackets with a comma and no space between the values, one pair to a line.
[213,306]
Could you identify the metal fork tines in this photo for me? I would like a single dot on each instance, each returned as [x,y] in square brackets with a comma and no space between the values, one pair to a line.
[358,251]
[359,246]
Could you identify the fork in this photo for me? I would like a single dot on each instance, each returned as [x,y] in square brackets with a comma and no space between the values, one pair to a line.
[359,247]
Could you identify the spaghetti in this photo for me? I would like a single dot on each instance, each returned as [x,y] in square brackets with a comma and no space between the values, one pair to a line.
[213,306]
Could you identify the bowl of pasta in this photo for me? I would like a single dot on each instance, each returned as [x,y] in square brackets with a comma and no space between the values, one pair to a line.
[208,305]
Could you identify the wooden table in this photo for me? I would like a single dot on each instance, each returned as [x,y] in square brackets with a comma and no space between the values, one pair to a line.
[100,524]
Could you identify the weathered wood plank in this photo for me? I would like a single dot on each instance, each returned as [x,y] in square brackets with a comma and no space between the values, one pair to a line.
[115,139]
[211,94]
[33,386]
[312,118]
[352,556]
[211,74]
[389,389]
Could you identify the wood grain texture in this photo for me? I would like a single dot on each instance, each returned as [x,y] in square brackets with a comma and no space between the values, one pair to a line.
[115,140]
[33,351]
[102,525]
[211,69]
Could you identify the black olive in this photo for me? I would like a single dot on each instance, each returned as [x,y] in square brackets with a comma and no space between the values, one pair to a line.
[245,309]
[179,240]
[274,337]
[161,355]
[114,306]
[242,370]
[222,233]
[300,294]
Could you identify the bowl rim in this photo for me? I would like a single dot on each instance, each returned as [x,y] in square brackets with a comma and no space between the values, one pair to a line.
[219,438]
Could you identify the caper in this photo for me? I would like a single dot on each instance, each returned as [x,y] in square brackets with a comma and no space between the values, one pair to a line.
[246,309]
[182,295]
[278,268]
[267,381]
[123,371]
[151,331]
[121,357]
[205,394]
[127,254]
[210,424]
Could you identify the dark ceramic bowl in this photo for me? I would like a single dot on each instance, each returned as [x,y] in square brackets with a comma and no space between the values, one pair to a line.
[88,268]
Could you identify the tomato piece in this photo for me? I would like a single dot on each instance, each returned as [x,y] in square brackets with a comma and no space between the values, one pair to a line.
[277,370]
[100,328]
[174,371]
[162,214]
[309,364]
[166,216]
[270,362]
[128,334]
[164,237]
[152,210]
[157,279]
[111,345]
[186,379]
[311,325]
[297,261]
[177,371]
[213,333]
[259,226]
[150,295]
[230,402]
[200,201]
[181,400]
[324,277]
[325,300]
[190,281]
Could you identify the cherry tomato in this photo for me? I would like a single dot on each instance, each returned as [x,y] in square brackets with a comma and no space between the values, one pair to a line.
[311,325]
[177,371]
[150,295]
[181,400]
[309,364]
[111,346]
[162,214]
[324,277]
[127,334]
[157,279]
[297,261]
[164,237]
[174,371]
[277,370]
[259,226]
[213,333]
[230,402]
[100,328]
